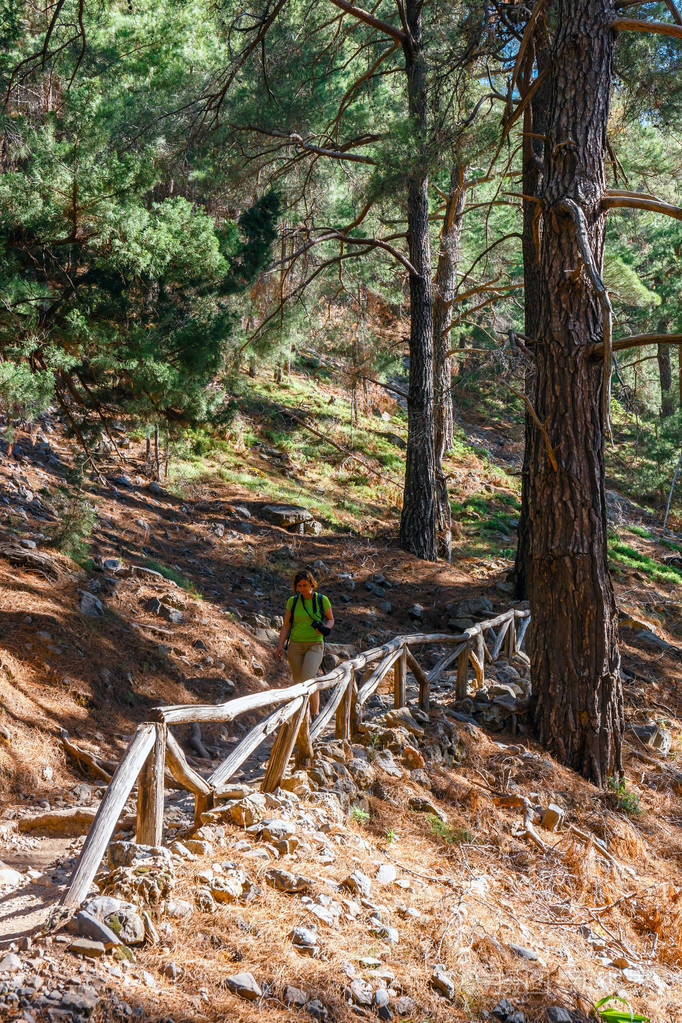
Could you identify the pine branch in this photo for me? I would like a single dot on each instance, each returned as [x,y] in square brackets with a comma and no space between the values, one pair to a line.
[369,19]
[657,27]
[638,341]
[613,199]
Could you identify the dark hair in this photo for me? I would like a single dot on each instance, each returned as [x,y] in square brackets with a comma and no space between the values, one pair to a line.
[300,576]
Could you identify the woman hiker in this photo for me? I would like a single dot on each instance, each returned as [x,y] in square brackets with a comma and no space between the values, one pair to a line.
[308,619]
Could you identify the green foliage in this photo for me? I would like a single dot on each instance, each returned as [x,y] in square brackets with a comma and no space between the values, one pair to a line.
[623,554]
[358,814]
[627,800]
[610,1015]
[76,519]
[450,835]
[391,836]
[172,573]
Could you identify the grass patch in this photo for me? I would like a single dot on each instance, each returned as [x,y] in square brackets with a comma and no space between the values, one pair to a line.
[622,554]
[174,576]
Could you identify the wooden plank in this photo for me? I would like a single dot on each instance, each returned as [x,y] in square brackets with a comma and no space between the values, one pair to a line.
[489,639]
[478,668]
[400,680]
[371,683]
[108,814]
[149,828]
[497,646]
[251,742]
[304,743]
[440,667]
[521,636]
[332,705]
[342,725]
[283,746]
[462,668]
[421,677]
[181,770]
[480,655]
[510,640]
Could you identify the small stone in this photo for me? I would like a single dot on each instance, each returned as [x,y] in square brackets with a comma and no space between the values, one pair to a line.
[404,1005]
[523,953]
[90,605]
[82,1000]
[88,926]
[361,991]
[416,612]
[385,931]
[420,805]
[317,1010]
[198,847]
[552,817]
[85,947]
[358,883]
[295,995]
[283,881]
[10,877]
[443,982]
[178,908]
[244,985]
[503,1009]
[386,874]
[412,758]
[10,963]
[557,1014]
[304,940]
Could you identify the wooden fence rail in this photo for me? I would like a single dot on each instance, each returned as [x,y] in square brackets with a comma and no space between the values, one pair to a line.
[153,748]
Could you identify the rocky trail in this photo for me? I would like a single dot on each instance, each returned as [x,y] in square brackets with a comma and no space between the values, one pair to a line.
[443,867]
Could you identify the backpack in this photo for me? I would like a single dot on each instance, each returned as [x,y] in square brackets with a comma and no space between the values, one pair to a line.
[318,613]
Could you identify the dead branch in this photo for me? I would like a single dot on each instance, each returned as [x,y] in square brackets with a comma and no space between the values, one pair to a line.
[636,201]
[42,563]
[638,341]
[541,426]
[369,19]
[344,451]
[637,25]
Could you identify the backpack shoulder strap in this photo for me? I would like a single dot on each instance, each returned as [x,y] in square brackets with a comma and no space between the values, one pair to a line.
[291,619]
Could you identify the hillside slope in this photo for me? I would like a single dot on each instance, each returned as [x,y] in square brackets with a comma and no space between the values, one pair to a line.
[174,598]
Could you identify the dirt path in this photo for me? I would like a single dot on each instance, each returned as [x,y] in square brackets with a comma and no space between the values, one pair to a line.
[24,909]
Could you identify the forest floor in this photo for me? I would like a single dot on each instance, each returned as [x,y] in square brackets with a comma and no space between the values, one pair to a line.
[597,911]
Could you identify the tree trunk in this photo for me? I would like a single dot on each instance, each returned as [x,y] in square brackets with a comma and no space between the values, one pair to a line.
[534,123]
[418,519]
[573,635]
[443,298]
[666,377]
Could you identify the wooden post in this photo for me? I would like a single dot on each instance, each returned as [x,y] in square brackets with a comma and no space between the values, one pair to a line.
[400,680]
[510,640]
[525,622]
[342,728]
[150,793]
[282,747]
[108,814]
[501,636]
[421,677]
[304,744]
[480,654]
[462,669]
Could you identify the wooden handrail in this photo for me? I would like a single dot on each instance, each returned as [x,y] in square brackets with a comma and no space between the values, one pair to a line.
[153,746]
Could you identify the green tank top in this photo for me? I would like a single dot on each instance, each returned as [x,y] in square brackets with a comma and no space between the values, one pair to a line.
[302,629]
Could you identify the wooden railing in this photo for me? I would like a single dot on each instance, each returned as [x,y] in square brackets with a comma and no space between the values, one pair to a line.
[153,747]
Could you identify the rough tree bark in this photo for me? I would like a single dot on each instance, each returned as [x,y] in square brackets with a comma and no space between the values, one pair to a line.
[534,123]
[418,519]
[573,635]
[665,375]
[445,284]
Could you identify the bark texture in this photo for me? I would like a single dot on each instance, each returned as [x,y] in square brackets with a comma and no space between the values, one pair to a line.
[534,124]
[418,519]
[665,375]
[573,634]
[443,299]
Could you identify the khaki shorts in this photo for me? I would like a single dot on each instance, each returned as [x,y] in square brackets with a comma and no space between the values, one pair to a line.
[305,660]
